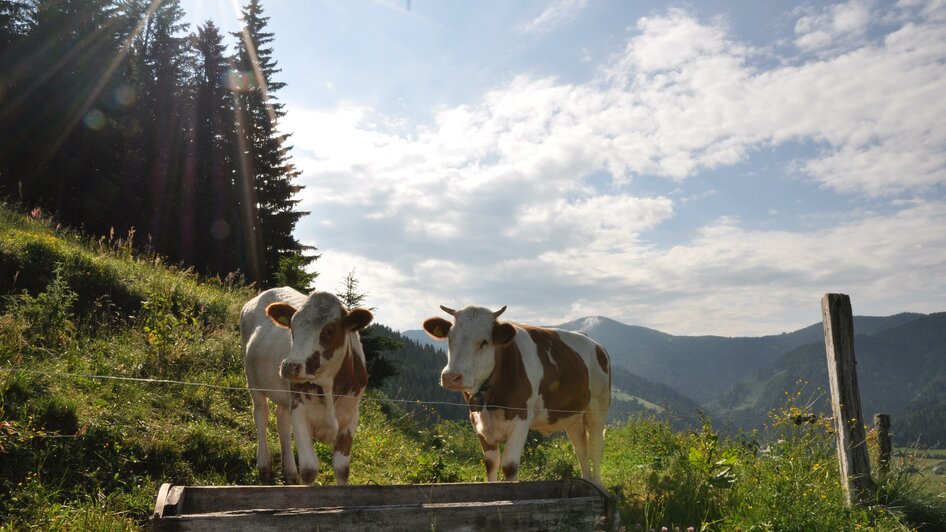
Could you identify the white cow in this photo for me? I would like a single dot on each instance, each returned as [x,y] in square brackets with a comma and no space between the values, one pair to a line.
[304,354]
[516,377]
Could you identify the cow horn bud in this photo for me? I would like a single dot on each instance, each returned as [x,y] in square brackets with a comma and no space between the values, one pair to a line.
[449,310]
[500,311]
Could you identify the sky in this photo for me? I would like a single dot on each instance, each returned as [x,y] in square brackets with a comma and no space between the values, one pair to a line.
[698,168]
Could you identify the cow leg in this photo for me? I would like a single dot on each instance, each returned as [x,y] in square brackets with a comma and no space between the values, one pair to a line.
[512,452]
[490,459]
[579,438]
[341,457]
[308,461]
[261,417]
[284,428]
[594,425]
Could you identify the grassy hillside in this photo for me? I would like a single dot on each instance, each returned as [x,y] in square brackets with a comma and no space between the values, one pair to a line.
[79,451]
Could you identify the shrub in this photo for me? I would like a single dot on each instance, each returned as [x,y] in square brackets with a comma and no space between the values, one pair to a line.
[46,318]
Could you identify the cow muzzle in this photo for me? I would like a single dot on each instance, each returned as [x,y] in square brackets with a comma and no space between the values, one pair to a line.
[291,370]
[452,381]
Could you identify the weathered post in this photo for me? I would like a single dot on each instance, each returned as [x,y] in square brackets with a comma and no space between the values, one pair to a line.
[882,428]
[845,398]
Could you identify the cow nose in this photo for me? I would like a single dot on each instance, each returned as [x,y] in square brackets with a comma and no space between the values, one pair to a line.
[451,380]
[289,369]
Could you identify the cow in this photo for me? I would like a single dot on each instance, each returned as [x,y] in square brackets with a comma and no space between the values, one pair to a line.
[304,354]
[515,377]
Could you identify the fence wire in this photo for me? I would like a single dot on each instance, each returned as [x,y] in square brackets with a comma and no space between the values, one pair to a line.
[143,380]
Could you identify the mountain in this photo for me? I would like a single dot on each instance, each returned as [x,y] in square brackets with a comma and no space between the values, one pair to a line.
[900,371]
[704,366]
[422,338]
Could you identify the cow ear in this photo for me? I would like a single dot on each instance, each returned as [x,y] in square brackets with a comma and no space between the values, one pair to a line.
[281,313]
[437,327]
[503,333]
[357,319]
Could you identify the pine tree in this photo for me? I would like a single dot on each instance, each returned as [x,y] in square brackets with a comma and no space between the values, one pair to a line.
[374,343]
[216,226]
[269,172]
[350,295]
[16,19]
[292,272]
[164,102]
[62,137]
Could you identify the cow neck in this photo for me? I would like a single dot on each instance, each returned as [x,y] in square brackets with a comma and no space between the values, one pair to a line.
[352,376]
[507,387]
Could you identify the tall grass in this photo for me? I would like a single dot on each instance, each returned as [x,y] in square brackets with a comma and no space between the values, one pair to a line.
[83,453]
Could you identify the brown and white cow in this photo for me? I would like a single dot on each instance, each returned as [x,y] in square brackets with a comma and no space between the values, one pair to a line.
[516,377]
[304,354]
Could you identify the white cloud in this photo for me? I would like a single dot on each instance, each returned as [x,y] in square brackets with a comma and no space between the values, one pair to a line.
[490,202]
[734,280]
[835,26]
[557,13]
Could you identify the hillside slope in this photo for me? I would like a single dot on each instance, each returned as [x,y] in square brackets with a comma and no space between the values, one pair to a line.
[702,367]
[901,371]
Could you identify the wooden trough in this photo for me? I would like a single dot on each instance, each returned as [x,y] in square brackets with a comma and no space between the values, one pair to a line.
[569,504]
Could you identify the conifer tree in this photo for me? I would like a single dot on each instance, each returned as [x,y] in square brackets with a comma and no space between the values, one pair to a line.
[269,170]
[16,18]
[374,342]
[59,111]
[164,100]
[216,225]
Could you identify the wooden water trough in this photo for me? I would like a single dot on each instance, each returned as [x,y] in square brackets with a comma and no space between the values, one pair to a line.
[569,504]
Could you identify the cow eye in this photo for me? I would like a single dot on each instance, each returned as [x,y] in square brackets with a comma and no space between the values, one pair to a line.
[483,344]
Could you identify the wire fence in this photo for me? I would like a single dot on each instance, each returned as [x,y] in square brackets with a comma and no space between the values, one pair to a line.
[665,411]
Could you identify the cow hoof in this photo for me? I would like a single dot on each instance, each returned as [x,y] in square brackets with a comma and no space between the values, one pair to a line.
[308,475]
[292,479]
[510,471]
[266,476]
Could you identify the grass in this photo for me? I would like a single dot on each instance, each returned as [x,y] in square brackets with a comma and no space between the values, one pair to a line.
[924,464]
[86,453]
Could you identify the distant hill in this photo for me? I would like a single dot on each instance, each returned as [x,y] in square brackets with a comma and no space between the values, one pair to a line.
[422,338]
[900,370]
[704,366]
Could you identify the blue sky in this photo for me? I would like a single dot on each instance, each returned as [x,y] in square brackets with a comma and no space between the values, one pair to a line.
[698,168]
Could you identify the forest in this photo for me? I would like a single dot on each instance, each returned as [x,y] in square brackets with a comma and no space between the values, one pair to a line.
[119,119]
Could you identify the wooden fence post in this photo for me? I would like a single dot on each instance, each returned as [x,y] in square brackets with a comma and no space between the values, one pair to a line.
[845,398]
[882,428]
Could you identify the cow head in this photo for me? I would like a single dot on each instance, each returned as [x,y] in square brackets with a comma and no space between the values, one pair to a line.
[320,331]
[472,341]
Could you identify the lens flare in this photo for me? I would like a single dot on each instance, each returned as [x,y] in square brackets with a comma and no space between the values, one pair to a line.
[239,81]
[220,229]
[125,95]
[94,119]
